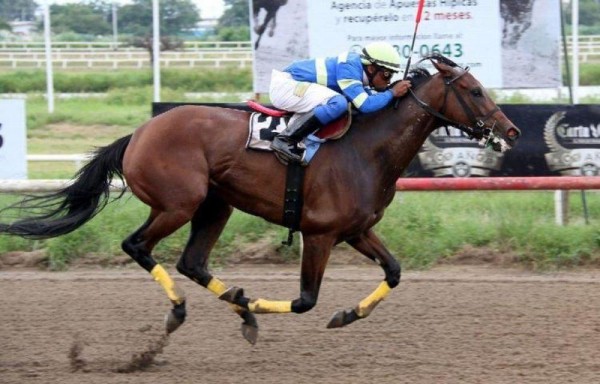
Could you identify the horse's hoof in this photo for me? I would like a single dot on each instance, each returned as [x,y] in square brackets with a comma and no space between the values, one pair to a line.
[250,333]
[342,318]
[249,327]
[172,322]
[175,318]
[232,295]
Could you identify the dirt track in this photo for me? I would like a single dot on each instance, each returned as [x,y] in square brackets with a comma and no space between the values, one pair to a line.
[448,325]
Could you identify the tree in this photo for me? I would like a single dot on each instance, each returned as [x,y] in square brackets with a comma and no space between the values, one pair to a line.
[4,25]
[237,14]
[18,10]
[234,24]
[82,18]
[589,12]
[175,17]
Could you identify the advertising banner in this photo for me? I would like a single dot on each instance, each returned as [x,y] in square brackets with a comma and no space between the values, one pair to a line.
[13,144]
[446,27]
[557,140]
[507,43]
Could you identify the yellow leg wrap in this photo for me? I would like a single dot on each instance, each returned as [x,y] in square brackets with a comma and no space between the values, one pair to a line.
[366,305]
[216,286]
[268,306]
[163,278]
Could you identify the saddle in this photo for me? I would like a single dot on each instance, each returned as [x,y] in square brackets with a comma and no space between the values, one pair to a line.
[266,123]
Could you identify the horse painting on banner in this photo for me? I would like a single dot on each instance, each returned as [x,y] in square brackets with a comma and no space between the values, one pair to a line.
[517,16]
[190,164]
[270,7]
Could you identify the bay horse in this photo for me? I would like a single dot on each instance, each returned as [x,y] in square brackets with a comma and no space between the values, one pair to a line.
[190,164]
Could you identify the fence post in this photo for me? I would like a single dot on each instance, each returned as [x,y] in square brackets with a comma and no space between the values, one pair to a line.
[561,207]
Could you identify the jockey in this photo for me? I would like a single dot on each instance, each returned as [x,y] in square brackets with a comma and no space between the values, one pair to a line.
[320,90]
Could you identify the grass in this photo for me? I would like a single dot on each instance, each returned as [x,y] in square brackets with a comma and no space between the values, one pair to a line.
[427,227]
[194,79]
[421,229]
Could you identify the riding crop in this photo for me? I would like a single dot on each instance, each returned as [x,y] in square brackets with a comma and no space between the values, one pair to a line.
[412,45]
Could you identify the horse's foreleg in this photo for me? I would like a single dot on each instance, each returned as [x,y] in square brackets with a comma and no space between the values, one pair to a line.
[369,245]
[207,224]
[273,25]
[314,259]
[139,246]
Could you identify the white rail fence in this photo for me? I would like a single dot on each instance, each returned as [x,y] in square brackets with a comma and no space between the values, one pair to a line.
[33,46]
[126,59]
[49,185]
[92,55]
[98,55]
[78,159]
[589,48]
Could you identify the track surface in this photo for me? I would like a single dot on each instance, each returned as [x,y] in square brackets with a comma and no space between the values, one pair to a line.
[448,325]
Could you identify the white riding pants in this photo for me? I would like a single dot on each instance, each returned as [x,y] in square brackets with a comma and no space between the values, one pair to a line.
[297,96]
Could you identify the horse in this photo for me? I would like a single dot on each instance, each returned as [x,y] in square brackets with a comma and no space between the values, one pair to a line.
[271,7]
[190,164]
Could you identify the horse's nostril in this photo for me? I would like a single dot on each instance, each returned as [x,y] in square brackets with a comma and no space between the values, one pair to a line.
[513,133]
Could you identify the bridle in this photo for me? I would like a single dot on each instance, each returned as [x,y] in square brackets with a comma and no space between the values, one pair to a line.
[478,129]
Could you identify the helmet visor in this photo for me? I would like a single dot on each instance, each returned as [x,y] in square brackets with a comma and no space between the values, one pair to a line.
[392,67]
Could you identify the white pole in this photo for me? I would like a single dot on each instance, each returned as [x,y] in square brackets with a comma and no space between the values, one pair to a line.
[156,49]
[575,49]
[48,44]
[561,198]
[561,207]
[114,25]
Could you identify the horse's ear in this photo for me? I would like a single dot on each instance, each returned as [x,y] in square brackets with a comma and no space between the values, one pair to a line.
[443,68]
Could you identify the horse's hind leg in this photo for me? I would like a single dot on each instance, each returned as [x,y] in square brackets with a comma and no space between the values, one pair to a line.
[256,22]
[139,246]
[207,224]
[369,245]
[314,259]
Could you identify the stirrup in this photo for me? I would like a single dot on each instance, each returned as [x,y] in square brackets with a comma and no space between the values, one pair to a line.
[288,155]
[285,154]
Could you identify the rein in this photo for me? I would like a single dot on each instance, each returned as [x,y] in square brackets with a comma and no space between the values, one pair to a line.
[477,129]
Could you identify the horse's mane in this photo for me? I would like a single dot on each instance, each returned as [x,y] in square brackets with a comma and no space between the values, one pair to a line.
[440,58]
[418,75]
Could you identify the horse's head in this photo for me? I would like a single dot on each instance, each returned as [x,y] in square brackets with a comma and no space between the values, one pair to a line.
[464,103]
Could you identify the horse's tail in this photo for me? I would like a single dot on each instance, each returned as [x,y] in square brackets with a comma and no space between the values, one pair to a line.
[61,212]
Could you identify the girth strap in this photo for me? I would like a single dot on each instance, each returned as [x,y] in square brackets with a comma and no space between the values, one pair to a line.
[293,199]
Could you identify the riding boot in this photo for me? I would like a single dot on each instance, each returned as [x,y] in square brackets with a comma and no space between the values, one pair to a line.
[286,143]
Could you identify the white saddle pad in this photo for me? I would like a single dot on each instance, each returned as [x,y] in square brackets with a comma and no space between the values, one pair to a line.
[262,129]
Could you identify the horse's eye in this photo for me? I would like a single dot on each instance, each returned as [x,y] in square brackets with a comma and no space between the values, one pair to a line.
[476,92]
